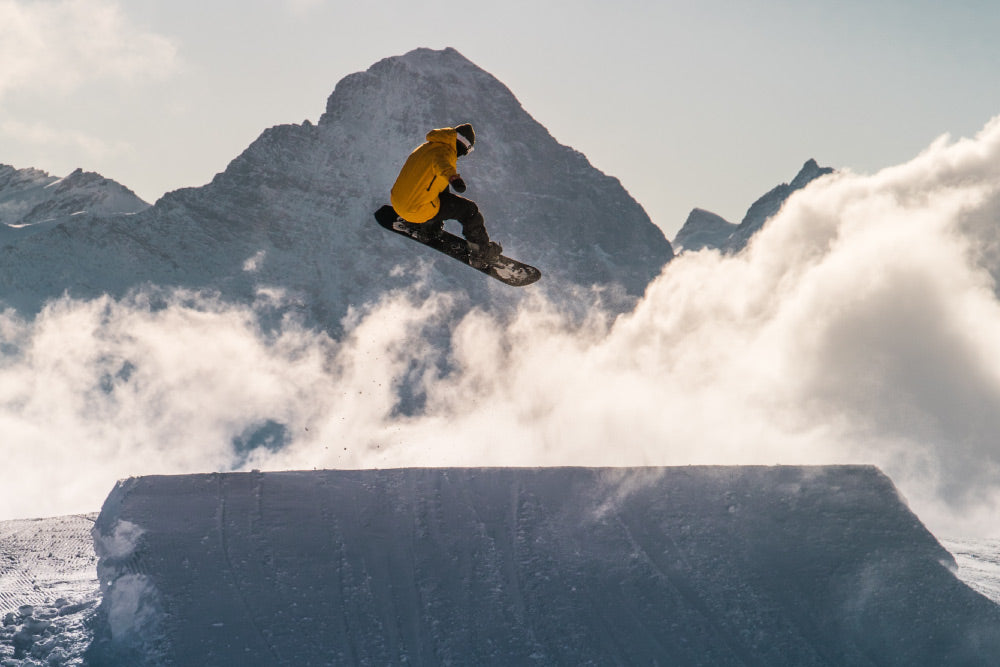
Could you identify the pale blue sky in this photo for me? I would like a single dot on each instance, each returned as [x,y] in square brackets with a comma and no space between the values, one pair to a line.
[706,104]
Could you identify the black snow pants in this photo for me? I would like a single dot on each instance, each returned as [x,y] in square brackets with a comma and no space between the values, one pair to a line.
[467,213]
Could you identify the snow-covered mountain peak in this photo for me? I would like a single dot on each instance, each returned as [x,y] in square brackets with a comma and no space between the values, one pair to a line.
[12,178]
[445,73]
[93,193]
[79,178]
[299,200]
[31,196]
[703,229]
[20,191]
[397,100]
[443,65]
[542,200]
[526,182]
[425,58]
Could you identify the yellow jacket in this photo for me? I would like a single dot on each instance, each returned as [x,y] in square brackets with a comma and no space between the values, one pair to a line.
[424,176]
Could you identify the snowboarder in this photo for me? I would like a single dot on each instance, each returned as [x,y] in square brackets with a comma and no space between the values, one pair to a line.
[421,194]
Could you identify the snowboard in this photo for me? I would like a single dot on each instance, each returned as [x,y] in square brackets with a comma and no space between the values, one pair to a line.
[504,269]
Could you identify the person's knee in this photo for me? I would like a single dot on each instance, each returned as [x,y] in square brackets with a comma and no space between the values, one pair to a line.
[470,210]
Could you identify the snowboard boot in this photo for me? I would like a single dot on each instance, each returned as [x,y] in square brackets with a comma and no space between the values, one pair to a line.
[481,255]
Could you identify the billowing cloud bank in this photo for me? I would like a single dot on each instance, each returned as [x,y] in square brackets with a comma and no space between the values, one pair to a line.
[862,326]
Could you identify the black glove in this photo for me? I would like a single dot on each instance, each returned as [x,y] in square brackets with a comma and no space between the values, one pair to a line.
[457,183]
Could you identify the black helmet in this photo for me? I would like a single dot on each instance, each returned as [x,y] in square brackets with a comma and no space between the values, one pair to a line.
[466,137]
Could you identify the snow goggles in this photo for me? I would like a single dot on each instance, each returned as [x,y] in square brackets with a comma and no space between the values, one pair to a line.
[465,142]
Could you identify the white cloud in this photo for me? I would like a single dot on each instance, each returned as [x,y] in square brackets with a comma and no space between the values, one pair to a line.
[59,45]
[861,326]
[94,391]
[62,140]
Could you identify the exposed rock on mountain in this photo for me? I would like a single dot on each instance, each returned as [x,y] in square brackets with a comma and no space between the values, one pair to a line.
[770,203]
[30,197]
[704,229]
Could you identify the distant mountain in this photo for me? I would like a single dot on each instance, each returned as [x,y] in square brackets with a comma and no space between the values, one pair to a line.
[21,190]
[29,197]
[704,229]
[294,210]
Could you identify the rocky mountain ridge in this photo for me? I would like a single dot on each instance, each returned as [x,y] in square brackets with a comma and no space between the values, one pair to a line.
[30,197]
[293,212]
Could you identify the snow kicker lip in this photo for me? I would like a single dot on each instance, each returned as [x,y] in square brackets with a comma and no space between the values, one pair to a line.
[686,565]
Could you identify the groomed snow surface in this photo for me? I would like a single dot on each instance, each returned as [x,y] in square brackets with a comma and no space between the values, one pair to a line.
[978,564]
[48,590]
[680,566]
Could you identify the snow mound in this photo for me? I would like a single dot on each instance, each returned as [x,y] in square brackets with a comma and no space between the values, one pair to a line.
[693,565]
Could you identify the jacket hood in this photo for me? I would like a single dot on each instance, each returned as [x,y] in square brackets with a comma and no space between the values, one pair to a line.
[443,135]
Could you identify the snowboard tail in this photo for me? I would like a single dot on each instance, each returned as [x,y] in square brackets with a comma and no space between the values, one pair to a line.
[504,269]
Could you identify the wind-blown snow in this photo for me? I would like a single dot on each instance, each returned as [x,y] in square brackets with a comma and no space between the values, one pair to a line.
[720,566]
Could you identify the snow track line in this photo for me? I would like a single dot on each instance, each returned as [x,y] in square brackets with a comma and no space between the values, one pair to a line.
[513,565]
[683,586]
[338,554]
[245,604]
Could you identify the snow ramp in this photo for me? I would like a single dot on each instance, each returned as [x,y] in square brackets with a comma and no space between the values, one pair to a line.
[680,566]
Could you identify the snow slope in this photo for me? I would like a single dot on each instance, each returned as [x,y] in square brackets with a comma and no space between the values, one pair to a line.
[294,211]
[682,566]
